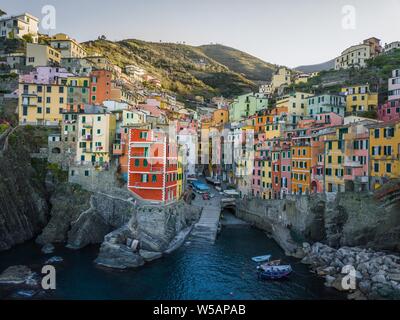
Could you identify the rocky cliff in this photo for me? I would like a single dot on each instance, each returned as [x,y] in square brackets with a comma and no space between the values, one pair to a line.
[130,232]
[23,196]
[348,219]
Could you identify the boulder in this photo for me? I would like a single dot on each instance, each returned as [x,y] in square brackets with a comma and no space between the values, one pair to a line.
[394,276]
[18,275]
[54,259]
[365,286]
[380,278]
[48,248]
[118,256]
[357,295]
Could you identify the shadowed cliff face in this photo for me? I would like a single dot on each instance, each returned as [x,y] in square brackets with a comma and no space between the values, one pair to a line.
[23,197]
[350,219]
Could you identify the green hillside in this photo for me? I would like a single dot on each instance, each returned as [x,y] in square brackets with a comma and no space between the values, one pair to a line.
[238,61]
[187,70]
[376,73]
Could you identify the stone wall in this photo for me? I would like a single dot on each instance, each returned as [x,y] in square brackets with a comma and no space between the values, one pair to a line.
[92,178]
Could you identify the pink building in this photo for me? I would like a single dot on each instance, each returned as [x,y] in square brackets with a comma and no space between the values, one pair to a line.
[356,163]
[257,175]
[389,111]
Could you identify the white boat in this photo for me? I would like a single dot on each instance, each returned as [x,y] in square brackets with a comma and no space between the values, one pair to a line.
[261,258]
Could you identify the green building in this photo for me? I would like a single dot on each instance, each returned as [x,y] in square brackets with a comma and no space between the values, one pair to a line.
[247,105]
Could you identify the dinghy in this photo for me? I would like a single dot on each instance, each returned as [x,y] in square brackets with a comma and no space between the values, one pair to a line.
[261,258]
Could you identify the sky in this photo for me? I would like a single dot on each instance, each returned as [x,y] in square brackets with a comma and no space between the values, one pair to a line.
[284,32]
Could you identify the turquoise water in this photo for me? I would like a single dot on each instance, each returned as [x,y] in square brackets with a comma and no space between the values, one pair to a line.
[195,271]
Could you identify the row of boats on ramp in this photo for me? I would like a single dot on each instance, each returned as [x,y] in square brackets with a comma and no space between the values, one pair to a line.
[271,269]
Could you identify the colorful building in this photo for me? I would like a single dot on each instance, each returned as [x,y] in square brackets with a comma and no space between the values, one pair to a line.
[301,165]
[41,104]
[326,103]
[360,99]
[68,47]
[390,110]
[100,86]
[153,165]
[19,26]
[247,105]
[78,92]
[384,152]
[95,136]
[40,55]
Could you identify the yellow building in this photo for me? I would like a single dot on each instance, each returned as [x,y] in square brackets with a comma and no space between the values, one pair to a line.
[335,155]
[281,77]
[359,98]
[301,166]
[295,105]
[40,55]
[41,104]
[95,135]
[384,153]
[68,47]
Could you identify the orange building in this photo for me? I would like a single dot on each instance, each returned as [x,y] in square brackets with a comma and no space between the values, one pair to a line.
[153,165]
[301,165]
[100,86]
[220,117]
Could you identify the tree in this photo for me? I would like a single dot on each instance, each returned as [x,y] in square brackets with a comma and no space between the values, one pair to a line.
[28,38]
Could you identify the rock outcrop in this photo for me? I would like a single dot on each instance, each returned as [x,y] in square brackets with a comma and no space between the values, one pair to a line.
[67,202]
[150,233]
[376,274]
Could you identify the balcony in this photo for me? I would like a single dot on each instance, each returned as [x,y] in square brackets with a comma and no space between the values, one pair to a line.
[352,164]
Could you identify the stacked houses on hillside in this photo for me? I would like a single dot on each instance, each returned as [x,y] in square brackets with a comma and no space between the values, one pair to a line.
[110,129]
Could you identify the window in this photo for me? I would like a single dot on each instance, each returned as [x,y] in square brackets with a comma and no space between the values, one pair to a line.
[144,178]
[137,162]
[376,133]
[154,178]
[39,89]
[61,100]
[388,167]
[47,110]
[145,163]
[61,89]
[48,89]
[376,167]
[86,173]
[39,110]
[39,99]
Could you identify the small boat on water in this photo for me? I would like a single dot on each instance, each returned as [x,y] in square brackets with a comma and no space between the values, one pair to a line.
[269,264]
[261,258]
[274,272]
